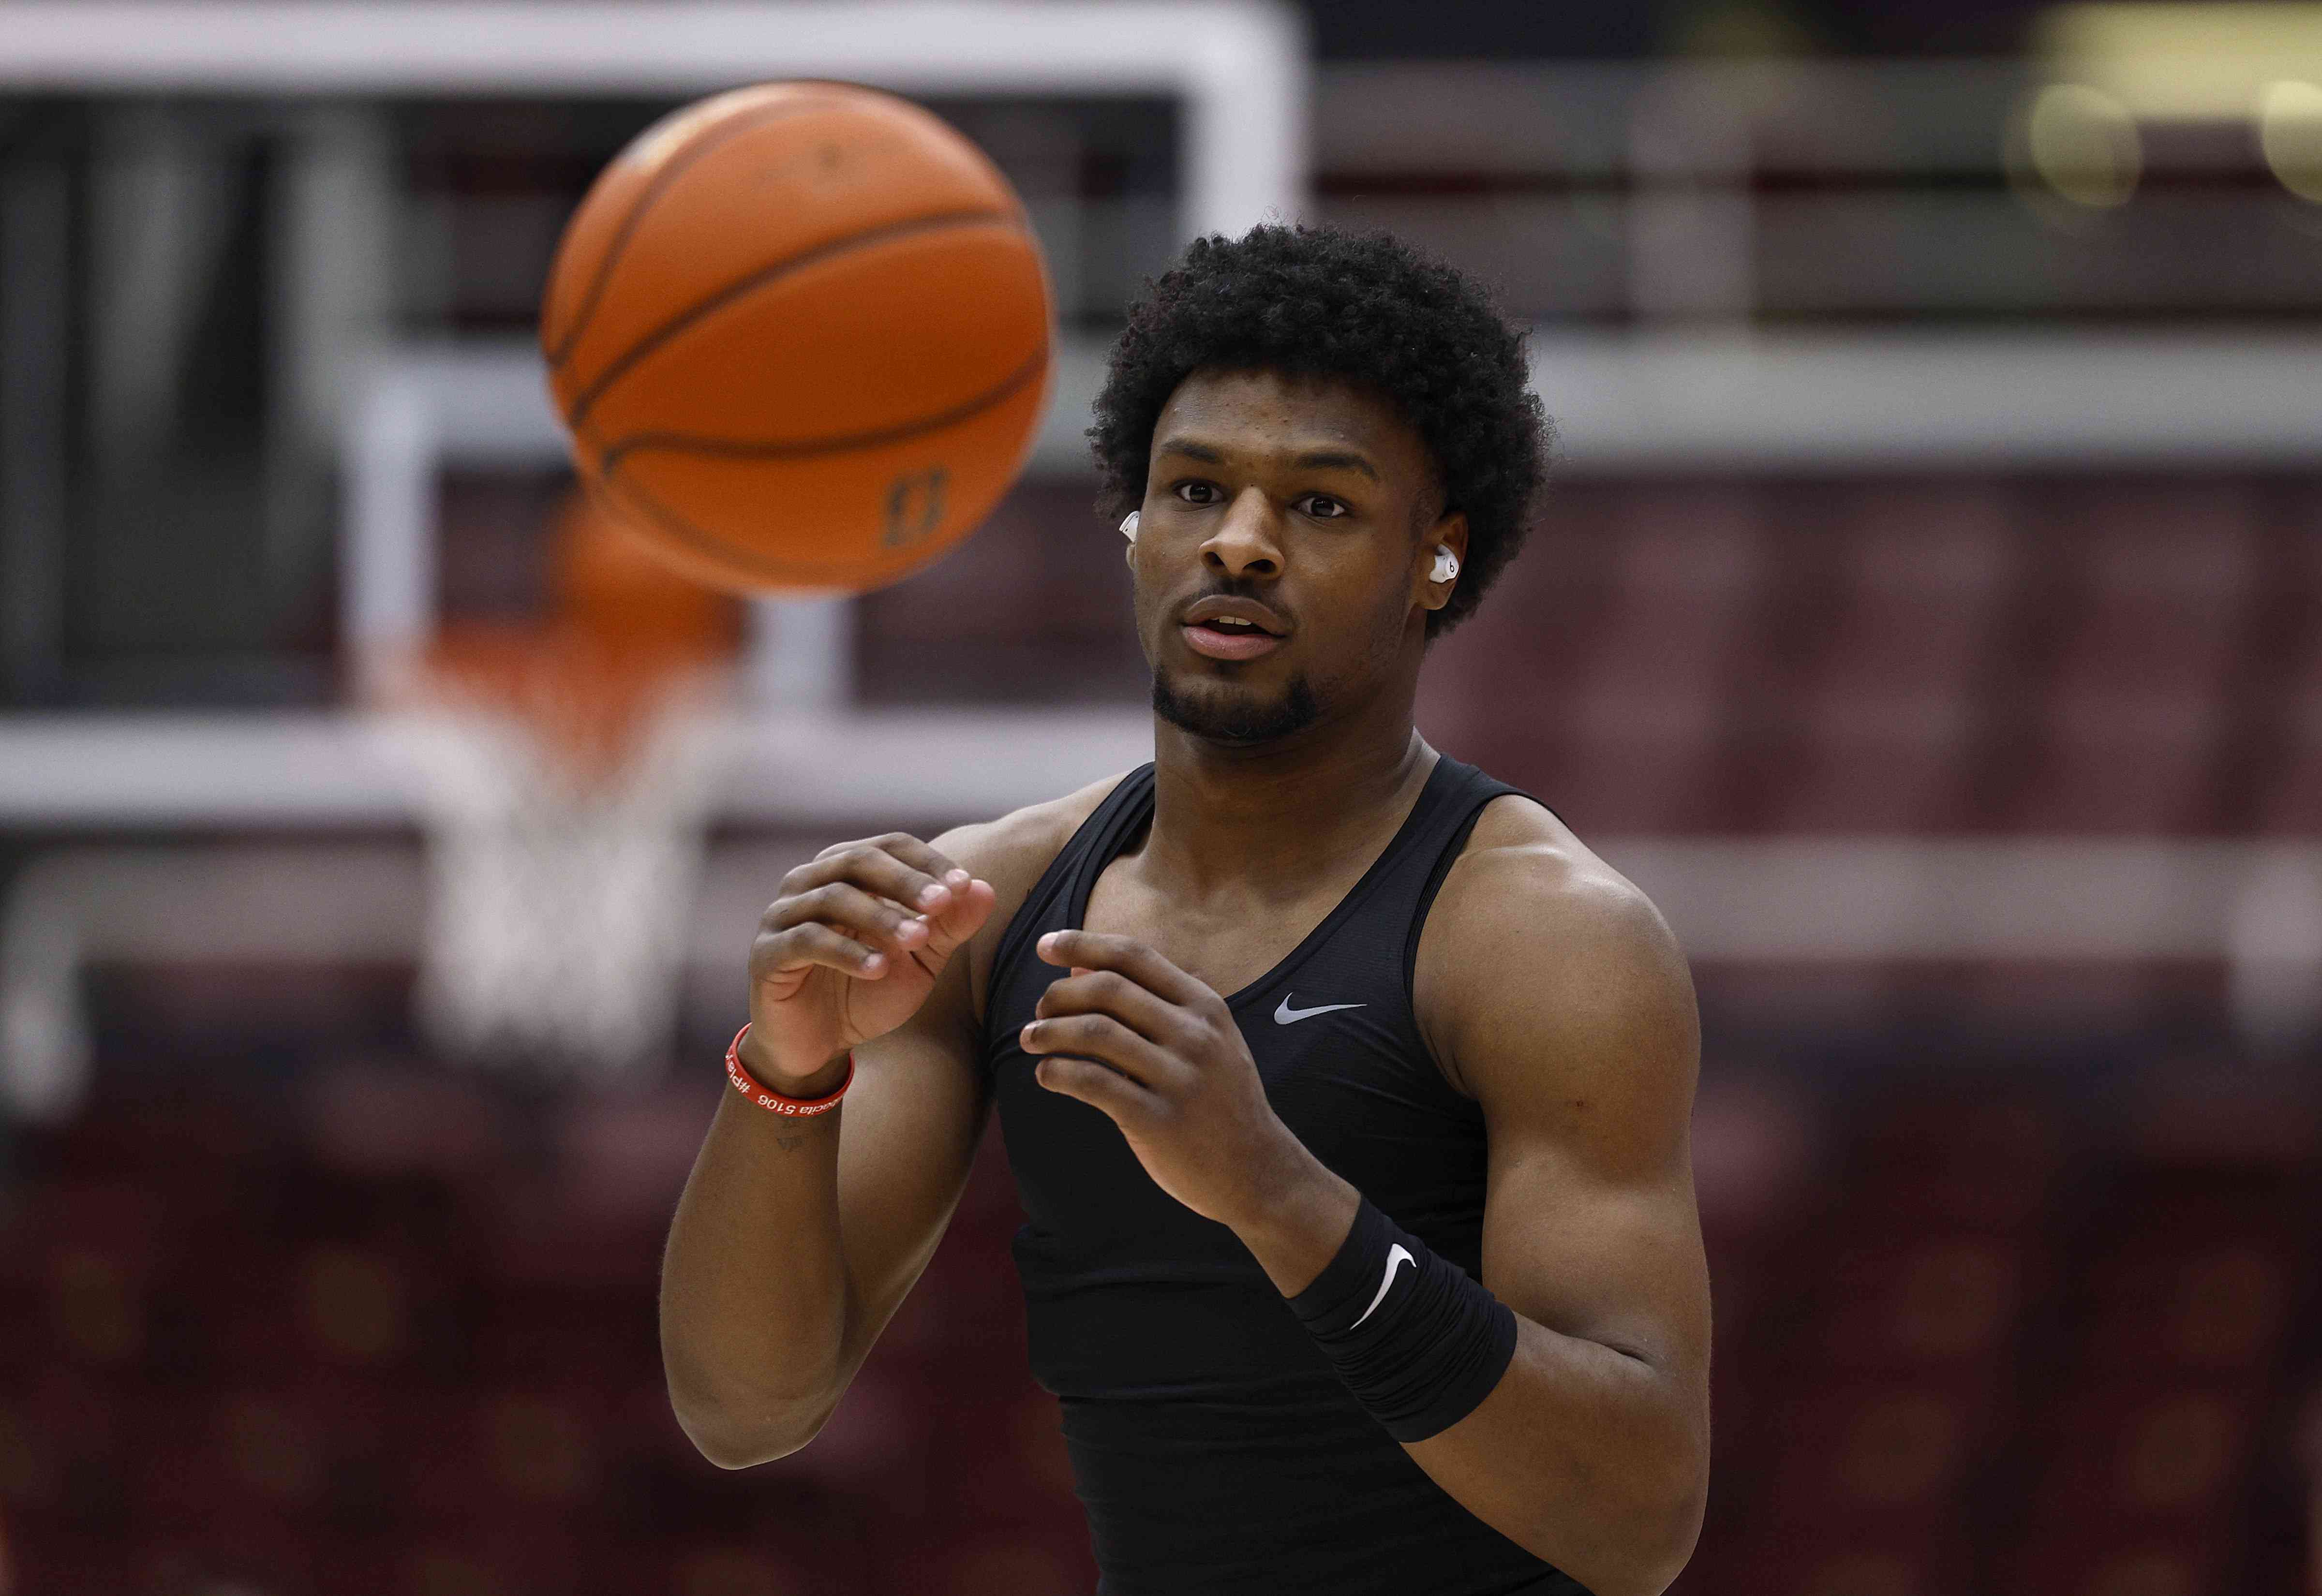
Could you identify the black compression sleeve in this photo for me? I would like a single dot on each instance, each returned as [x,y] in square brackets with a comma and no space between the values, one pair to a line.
[1416,1340]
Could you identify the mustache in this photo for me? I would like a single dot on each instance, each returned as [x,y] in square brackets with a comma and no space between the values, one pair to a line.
[1236,588]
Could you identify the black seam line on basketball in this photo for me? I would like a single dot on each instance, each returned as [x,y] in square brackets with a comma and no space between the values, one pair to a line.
[659,184]
[781,449]
[935,222]
[709,542]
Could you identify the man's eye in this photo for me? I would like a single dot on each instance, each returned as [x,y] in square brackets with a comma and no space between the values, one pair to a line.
[1196,493]
[1322,508]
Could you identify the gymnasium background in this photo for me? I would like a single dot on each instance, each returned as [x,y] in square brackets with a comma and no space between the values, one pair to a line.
[1925,613]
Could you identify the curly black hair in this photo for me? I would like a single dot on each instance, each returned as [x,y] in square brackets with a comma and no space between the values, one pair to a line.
[1365,307]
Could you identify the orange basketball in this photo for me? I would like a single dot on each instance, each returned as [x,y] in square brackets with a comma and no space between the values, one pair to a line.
[799,335]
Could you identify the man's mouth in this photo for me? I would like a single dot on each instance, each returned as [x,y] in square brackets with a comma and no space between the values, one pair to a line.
[1228,637]
[1228,626]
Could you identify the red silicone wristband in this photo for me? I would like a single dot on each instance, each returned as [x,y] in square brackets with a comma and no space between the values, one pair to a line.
[774,1102]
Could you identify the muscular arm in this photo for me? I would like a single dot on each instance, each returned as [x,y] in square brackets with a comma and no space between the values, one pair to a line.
[797,1239]
[1552,991]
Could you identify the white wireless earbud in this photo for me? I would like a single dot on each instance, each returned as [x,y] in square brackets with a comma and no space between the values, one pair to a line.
[1447,564]
[1128,526]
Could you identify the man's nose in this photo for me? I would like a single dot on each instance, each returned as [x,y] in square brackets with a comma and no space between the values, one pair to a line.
[1244,544]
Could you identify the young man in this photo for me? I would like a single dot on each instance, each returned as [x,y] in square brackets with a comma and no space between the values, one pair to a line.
[1347,1091]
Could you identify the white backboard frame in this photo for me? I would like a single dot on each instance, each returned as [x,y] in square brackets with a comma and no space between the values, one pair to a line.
[1239,66]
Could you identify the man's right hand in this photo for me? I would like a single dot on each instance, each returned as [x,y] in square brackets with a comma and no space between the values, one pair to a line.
[849,952]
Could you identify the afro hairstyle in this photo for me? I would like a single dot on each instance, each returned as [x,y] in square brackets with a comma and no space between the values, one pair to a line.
[1362,307]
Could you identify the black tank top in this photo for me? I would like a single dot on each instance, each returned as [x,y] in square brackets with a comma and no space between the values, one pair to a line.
[1214,1448]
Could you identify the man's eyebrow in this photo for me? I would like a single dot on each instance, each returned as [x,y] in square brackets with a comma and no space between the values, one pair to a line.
[1325,460]
[1187,447]
[1313,459]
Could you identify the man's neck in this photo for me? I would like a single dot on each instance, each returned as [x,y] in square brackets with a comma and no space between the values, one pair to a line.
[1275,816]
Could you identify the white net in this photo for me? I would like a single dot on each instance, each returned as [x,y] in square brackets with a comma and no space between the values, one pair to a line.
[558,899]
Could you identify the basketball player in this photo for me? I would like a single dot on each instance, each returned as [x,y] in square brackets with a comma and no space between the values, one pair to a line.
[1345,1091]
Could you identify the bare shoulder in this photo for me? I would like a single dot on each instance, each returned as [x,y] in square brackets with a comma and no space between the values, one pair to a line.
[1524,870]
[1012,853]
[1543,969]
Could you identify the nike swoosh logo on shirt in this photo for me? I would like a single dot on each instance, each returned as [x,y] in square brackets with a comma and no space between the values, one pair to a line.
[1397,1253]
[1284,1014]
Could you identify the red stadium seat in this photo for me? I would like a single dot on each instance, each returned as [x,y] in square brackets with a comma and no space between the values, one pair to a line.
[1885,731]
[1005,1564]
[2105,1560]
[1598,679]
[2157,585]
[2286,765]
[332,1307]
[532,1560]
[1894,1452]
[2140,1452]
[709,1566]
[1834,1559]
[70,1439]
[1976,1161]
[69,1562]
[2216,1305]
[1944,1300]
[254,1450]
[2290,802]
[254,1551]
[1640,740]
[538,1455]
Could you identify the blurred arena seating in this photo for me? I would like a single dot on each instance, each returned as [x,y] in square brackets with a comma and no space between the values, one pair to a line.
[392,1343]
[2010,1345]
[392,1332]
[1957,655]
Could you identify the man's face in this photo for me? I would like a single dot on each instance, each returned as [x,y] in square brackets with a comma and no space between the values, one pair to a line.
[1282,552]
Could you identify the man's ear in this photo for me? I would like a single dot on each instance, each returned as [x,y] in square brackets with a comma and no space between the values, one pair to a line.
[1449,532]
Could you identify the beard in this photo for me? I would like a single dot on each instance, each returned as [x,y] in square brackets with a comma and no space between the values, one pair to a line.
[1223,717]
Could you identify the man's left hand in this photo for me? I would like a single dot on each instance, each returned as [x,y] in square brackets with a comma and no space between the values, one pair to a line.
[1129,1033]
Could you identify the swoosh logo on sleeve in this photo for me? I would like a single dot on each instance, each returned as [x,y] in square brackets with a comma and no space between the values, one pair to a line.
[1284,1014]
[1397,1253]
